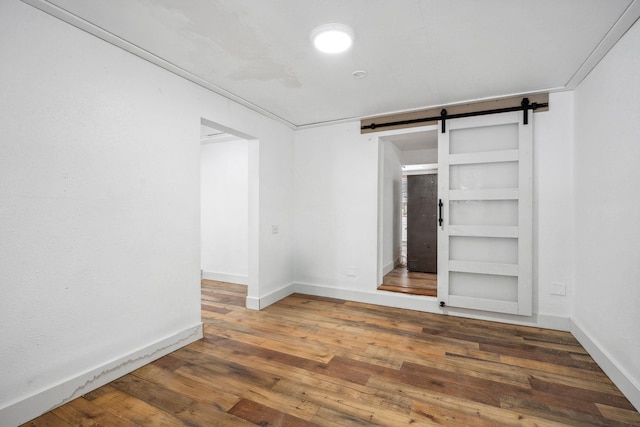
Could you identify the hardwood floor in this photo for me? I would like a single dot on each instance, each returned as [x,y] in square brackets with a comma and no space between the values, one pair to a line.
[410,282]
[316,361]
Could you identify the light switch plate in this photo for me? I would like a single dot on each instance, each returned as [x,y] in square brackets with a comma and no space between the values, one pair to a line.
[558,288]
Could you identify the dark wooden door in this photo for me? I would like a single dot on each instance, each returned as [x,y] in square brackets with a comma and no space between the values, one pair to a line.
[422,223]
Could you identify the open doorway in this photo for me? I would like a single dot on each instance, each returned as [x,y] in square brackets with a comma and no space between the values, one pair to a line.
[409,166]
[229,207]
[224,206]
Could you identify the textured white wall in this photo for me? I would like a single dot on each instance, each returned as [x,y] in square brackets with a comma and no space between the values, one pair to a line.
[99,212]
[607,207]
[224,196]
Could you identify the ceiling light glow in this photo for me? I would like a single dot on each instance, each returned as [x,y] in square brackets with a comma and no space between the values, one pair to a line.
[332,38]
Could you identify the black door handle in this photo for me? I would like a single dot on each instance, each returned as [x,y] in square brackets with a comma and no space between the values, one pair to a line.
[440,212]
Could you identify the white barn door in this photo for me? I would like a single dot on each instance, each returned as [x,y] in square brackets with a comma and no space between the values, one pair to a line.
[485,236]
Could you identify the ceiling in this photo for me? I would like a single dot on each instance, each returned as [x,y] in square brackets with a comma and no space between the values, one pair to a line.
[412,141]
[418,53]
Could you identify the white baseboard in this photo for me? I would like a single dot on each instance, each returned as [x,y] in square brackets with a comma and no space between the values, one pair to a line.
[389,299]
[428,305]
[254,303]
[613,369]
[388,268]
[238,279]
[550,321]
[25,409]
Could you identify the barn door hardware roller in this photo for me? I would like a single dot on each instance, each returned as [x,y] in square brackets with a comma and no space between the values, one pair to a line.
[525,106]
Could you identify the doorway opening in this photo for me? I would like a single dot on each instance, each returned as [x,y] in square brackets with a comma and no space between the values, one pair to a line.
[228,206]
[408,211]
[485,205]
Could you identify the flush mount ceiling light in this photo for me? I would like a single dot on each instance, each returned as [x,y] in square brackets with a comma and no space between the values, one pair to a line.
[332,38]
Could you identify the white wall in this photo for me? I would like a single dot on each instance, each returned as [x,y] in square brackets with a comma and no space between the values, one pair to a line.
[553,205]
[224,204]
[419,157]
[99,182]
[607,212]
[274,185]
[335,216]
[391,205]
[336,204]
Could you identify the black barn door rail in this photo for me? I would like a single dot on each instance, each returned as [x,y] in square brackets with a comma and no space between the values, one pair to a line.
[525,106]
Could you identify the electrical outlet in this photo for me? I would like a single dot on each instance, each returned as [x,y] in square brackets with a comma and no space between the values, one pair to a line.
[558,288]
[351,271]
[274,229]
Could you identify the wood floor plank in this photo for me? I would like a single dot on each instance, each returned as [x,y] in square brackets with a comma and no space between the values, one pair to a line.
[427,403]
[82,412]
[557,411]
[375,410]
[186,387]
[437,383]
[330,417]
[580,394]
[256,354]
[549,366]
[214,309]
[249,383]
[275,325]
[400,337]
[280,365]
[485,336]
[223,288]
[625,416]
[50,419]
[569,377]
[457,415]
[139,412]
[357,317]
[265,416]
[191,410]
[539,354]
[168,362]
[447,360]
[310,360]
[308,349]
